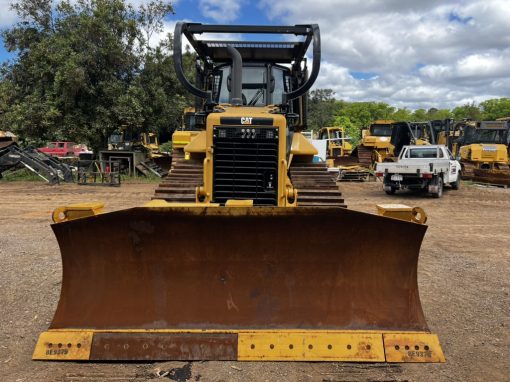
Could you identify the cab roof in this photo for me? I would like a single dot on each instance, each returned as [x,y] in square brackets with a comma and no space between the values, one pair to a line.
[251,51]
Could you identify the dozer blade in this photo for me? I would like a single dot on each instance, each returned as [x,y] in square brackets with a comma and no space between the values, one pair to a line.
[220,283]
[494,176]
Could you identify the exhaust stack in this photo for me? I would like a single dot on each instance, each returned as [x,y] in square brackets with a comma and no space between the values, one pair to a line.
[236,77]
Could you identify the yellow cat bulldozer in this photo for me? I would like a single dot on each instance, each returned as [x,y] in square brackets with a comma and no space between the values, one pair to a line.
[248,266]
[375,143]
[337,144]
[482,148]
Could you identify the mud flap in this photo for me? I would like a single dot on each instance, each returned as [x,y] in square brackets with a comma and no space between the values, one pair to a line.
[238,283]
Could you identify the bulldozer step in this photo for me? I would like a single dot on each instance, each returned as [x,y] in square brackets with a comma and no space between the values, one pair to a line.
[316,186]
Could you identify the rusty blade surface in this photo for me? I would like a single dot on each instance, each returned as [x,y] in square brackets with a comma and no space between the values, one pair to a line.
[237,268]
[157,346]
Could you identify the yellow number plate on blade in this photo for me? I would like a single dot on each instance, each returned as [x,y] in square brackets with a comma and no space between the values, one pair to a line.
[63,346]
[415,347]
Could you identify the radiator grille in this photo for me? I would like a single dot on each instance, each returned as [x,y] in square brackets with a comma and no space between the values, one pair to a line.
[245,164]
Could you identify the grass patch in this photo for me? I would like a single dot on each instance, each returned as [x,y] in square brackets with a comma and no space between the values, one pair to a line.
[140,179]
[23,174]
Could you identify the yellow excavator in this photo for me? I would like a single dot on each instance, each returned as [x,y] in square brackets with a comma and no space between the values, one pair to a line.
[248,267]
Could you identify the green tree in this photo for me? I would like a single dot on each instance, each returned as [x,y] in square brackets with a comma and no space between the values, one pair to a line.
[402,114]
[362,113]
[441,114]
[419,115]
[495,108]
[150,18]
[321,108]
[77,71]
[467,111]
[351,130]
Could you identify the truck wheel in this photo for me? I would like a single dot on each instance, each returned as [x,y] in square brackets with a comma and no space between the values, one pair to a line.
[390,192]
[456,185]
[439,192]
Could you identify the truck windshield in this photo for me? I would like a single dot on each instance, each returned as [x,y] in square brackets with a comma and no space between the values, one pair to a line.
[380,130]
[425,152]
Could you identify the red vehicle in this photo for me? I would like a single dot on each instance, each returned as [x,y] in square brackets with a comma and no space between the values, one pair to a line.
[64,149]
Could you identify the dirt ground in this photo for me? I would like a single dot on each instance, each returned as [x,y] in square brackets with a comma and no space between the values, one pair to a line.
[463,278]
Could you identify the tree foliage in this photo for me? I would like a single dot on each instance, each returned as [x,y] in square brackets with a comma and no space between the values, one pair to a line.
[84,68]
[495,108]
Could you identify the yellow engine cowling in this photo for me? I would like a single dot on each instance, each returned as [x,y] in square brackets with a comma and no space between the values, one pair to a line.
[376,142]
[484,153]
[201,147]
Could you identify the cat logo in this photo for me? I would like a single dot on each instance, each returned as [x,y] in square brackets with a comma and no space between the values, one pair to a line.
[246,120]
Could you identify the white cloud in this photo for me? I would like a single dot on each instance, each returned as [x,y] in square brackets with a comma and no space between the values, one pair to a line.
[7,16]
[414,53]
[221,11]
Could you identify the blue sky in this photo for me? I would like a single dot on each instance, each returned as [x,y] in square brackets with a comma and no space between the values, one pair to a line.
[409,53]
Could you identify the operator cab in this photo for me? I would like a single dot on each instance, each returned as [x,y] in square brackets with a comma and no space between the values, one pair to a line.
[250,73]
[380,130]
[494,136]
[262,85]
[484,132]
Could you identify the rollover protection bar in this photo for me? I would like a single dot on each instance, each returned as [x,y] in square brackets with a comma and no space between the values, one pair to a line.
[310,31]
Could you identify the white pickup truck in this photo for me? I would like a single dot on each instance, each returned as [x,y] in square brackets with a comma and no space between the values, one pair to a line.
[427,168]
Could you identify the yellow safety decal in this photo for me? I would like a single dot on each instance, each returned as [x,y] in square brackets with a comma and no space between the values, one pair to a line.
[416,347]
[310,346]
[63,346]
